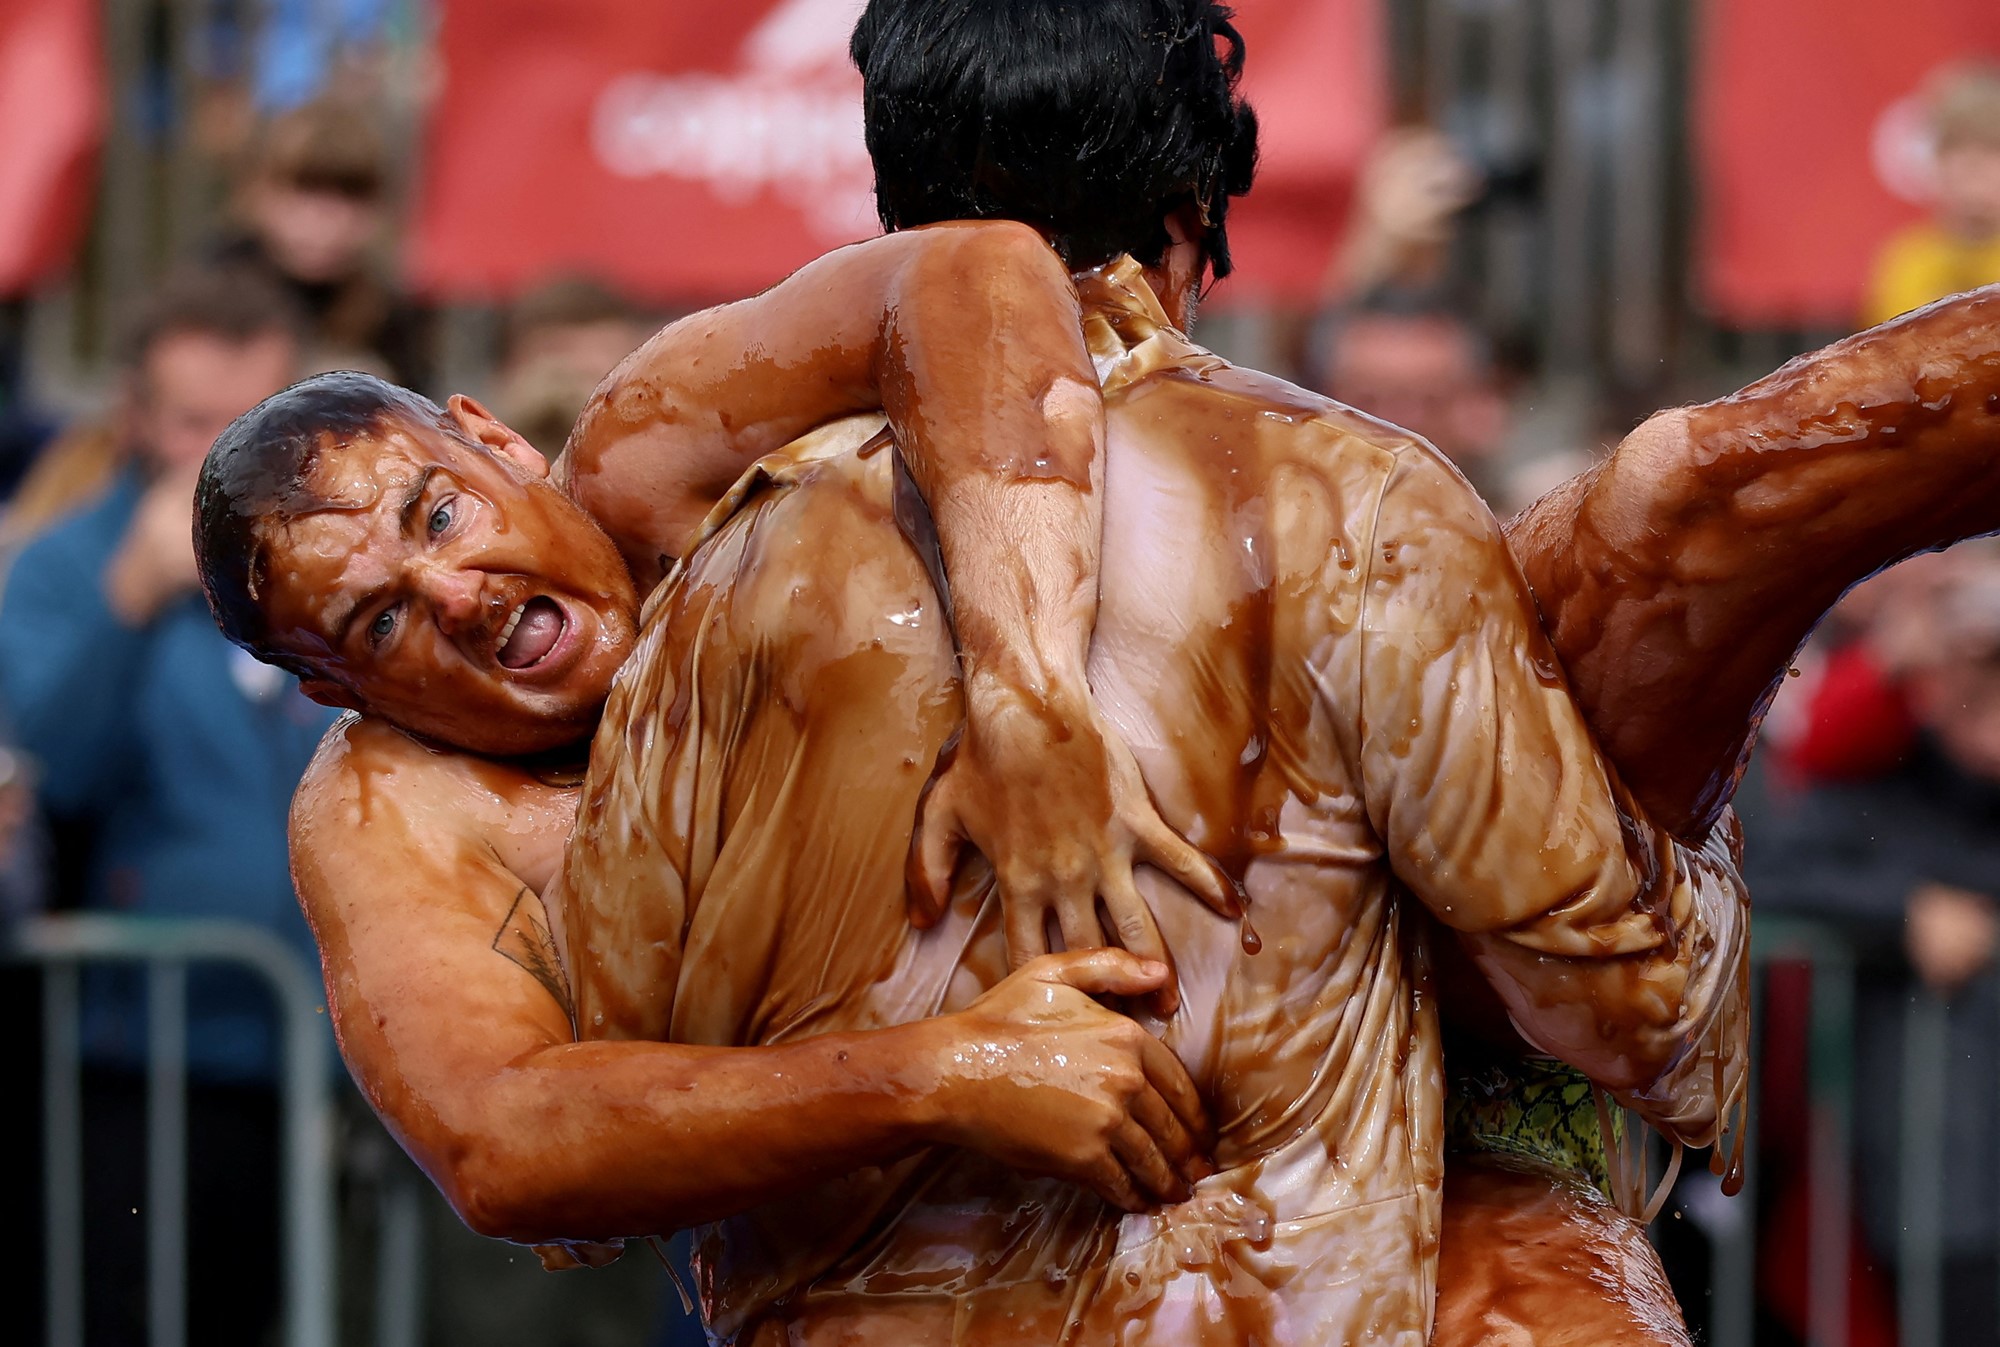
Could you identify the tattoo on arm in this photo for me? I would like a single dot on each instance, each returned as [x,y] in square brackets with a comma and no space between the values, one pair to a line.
[524,939]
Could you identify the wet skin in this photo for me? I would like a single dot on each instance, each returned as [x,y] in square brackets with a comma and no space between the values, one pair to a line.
[1949,346]
[1275,567]
[1607,638]
[1667,476]
[431,585]
[401,596]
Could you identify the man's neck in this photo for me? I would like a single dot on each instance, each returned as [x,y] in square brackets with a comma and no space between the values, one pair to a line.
[1174,282]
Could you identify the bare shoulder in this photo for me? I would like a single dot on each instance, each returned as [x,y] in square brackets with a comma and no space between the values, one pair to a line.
[376,804]
[366,773]
[624,400]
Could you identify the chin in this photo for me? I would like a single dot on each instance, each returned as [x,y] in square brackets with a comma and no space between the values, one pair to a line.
[543,736]
[510,733]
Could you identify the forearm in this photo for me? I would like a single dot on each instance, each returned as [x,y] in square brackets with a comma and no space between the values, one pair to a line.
[1611,945]
[1645,995]
[996,406]
[960,332]
[607,1140]
[1678,579]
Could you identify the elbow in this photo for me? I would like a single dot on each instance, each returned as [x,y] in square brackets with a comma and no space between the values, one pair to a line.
[497,1193]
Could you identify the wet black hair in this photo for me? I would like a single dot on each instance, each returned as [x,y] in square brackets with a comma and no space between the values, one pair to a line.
[233,303]
[260,469]
[1092,120]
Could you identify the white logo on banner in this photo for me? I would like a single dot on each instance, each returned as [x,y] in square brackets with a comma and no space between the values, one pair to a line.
[1904,150]
[787,122]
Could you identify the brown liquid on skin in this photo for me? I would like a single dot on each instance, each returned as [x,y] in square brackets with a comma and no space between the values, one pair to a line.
[736,876]
[1678,581]
[941,1248]
[1533,1256]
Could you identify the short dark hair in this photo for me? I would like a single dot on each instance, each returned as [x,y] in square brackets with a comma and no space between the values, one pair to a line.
[1092,120]
[325,146]
[258,470]
[567,301]
[235,303]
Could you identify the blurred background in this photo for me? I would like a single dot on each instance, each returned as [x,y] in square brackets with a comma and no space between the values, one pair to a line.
[1516,226]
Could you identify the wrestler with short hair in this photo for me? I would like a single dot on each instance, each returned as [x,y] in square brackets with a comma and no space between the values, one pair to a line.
[1657,478]
[423,565]
[384,950]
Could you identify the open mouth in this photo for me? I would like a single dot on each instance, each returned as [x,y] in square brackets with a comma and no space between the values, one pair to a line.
[530,634]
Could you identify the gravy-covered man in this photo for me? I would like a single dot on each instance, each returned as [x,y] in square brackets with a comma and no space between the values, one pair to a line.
[745,812]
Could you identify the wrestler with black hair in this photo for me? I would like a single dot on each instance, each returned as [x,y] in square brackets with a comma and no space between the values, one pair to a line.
[406,577]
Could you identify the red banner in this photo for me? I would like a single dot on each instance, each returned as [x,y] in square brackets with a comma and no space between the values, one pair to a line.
[1811,141]
[1317,71]
[51,98]
[700,152]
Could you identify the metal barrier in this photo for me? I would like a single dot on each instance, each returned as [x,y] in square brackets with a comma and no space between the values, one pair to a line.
[60,944]
[1830,1067]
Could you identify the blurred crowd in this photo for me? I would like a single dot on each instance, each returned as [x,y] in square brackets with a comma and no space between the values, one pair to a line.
[146,765]
[1874,809]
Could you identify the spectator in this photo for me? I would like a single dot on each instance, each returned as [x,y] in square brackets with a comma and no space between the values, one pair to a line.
[1908,864]
[1412,358]
[181,753]
[562,339]
[22,873]
[1958,248]
[310,212]
[304,46]
[1408,200]
[70,470]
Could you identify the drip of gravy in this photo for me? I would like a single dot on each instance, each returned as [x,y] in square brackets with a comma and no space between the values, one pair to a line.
[736,876]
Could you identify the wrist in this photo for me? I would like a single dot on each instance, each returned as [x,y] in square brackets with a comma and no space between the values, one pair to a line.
[997,688]
[904,1077]
[928,1106]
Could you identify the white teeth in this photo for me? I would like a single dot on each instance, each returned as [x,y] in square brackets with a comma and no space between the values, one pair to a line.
[507,631]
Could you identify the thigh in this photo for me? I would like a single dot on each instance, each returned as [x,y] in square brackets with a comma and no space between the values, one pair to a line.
[1535,1258]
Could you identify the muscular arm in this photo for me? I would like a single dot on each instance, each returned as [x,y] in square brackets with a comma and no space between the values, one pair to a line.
[453,1015]
[968,336]
[1678,579]
[1611,945]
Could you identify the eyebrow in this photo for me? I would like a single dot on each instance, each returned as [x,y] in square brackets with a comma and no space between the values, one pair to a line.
[405,515]
[407,512]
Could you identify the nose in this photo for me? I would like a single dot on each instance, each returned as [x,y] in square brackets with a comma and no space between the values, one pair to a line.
[455,596]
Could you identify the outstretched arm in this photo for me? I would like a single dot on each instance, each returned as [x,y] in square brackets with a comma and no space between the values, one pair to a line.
[453,1014]
[968,336]
[1678,578]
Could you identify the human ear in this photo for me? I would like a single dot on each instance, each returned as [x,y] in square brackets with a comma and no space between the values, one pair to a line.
[489,430]
[329,693]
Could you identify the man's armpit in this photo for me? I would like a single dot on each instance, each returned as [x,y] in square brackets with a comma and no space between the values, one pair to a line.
[524,938]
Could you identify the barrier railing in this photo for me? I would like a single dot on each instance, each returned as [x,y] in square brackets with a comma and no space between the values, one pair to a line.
[1830,1105]
[60,945]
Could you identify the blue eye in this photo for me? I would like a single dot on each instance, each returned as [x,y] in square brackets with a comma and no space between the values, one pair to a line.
[440,519]
[384,623]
